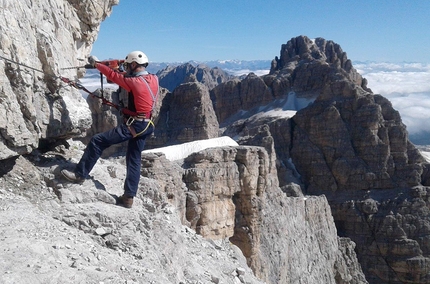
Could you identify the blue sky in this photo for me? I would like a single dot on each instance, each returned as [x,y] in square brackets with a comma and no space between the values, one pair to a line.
[179,31]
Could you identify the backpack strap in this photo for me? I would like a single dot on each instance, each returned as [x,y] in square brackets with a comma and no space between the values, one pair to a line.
[154,98]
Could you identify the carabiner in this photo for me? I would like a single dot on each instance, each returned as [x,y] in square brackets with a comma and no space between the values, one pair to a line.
[130,121]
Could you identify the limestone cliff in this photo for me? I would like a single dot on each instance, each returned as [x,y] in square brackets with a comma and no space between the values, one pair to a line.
[56,232]
[233,213]
[184,116]
[47,36]
[350,145]
[304,69]
[226,215]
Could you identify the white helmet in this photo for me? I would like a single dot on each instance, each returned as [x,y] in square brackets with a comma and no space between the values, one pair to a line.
[137,56]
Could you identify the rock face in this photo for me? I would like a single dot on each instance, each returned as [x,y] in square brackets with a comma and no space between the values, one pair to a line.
[68,232]
[326,52]
[56,232]
[171,77]
[350,145]
[365,146]
[364,153]
[227,191]
[185,115]
[304,69]
[35,107]
[242,214]
[240,95]
[210,208]
[276,126]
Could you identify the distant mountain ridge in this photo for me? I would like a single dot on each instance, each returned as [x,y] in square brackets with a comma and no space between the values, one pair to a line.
[210,73]
[233,65]
[227,65]
[172,76]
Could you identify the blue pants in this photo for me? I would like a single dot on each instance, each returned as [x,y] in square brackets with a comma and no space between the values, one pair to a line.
[119,134]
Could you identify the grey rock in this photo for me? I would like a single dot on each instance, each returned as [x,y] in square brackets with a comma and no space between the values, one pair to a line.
[186,115]
[173,76]
[37,109]
[100,231]
[345,144]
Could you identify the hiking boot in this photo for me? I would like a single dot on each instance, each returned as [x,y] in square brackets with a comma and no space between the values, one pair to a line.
[72,176]
[125,201]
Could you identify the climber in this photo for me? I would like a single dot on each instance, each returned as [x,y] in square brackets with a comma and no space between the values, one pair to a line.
[142,89]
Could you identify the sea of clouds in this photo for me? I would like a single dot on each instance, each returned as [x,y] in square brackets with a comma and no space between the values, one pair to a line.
[406,85]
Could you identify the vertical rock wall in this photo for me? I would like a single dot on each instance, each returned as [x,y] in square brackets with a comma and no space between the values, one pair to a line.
[232,192]
[47,36]
[350,145]
[183,116]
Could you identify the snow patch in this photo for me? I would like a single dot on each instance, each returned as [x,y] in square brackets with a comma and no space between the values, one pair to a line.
[178,152]
[426,155]
[242,72]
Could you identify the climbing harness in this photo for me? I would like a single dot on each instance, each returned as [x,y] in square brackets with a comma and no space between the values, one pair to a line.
[71,83]
[130,127]
[131,119]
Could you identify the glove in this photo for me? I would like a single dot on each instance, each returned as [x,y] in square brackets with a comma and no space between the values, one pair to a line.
[92,60]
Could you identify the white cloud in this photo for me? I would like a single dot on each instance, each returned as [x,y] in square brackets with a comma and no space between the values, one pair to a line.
[407,86]
[414,110]
[388,82]
[366,67]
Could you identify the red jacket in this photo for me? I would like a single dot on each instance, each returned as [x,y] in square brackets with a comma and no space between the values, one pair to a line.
[142,99]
